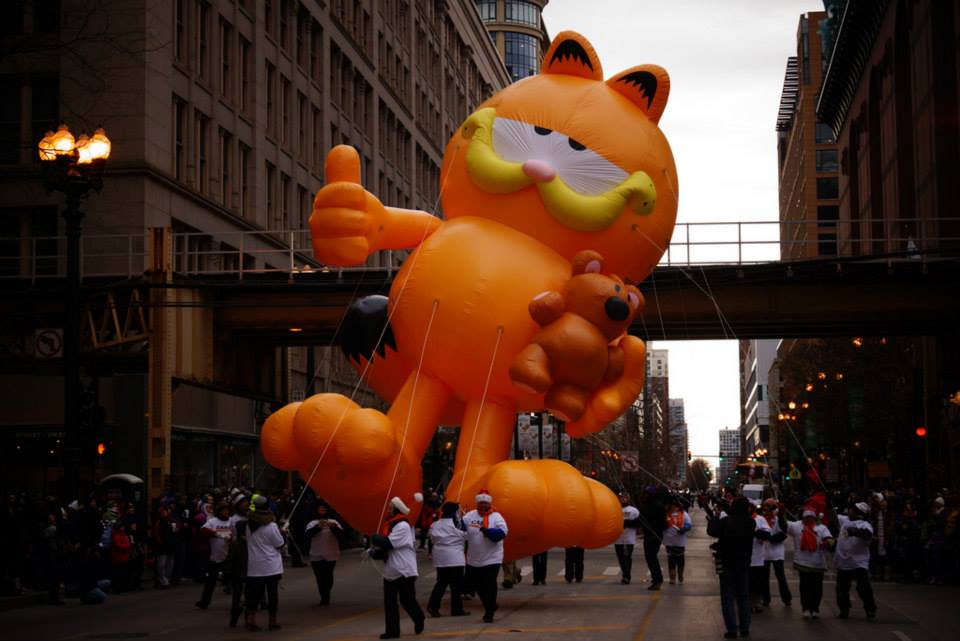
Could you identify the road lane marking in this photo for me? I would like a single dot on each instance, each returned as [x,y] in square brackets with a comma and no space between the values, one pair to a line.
[647,617]
[505,630]
[611,571]
[525,570]
[900,635]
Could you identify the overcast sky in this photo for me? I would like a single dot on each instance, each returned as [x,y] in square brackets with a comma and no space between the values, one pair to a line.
[726,60]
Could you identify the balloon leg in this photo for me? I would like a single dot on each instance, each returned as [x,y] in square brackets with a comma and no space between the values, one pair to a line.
[485,437]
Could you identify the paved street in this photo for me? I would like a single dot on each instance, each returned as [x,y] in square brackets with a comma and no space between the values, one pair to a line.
[599,608]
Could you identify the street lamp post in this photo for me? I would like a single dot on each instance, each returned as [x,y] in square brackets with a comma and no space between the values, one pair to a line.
[73,167]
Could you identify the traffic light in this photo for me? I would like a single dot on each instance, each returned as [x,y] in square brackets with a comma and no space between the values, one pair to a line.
[101,449]
[921,431]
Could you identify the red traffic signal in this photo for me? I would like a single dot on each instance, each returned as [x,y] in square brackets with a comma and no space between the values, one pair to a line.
[101,448]
[921,431]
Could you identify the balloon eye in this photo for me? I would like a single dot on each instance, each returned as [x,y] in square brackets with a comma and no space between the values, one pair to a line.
[543,131]
[616,288]
[576,145]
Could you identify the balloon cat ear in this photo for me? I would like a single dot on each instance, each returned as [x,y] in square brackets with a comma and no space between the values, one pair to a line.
[571,54]
[646,86]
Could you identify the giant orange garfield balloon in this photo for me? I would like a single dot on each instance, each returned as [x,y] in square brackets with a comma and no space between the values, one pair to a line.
[553,165]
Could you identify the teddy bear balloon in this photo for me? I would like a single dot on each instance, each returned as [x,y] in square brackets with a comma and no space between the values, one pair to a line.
[556,164]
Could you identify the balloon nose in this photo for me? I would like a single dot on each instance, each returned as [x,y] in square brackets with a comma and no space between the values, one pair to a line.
[539,170]
[616,308]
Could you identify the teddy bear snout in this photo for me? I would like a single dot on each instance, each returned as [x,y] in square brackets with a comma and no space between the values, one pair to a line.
[617,308]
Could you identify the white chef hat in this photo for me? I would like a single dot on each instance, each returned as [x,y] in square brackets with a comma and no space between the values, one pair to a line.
[863,508]
[483,496]
[399,505]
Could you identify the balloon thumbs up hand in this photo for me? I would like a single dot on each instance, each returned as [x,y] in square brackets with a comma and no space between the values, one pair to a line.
[346,217]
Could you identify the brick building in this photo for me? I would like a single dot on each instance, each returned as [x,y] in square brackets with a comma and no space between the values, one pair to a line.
[221,113]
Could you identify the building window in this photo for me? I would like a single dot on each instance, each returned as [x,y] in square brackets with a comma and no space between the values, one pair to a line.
[316,48]
[246,70]
[827,215]
[202,148]
[271,99]
[243,161]
[179,138]
[285,25]
[305,206]
[10,118]
[226,61]
[317,141]
[826,160]
[284,222]
[487,9]
[521,12]
[44,107]
[180,30]
[303,34]
[269,18]
[827,245]
[520,54]
[226,153]
[203,39]
[284,110]
[271,193]
[805,48]
[824,134]
[827,188]
[302,124]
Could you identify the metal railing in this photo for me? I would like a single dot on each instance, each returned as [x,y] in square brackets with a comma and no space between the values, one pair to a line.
[237,254]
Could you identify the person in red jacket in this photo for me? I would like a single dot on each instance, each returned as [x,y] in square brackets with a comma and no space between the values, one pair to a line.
[120,545]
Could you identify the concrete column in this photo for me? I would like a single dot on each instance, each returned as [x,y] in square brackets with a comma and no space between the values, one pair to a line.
[160,367]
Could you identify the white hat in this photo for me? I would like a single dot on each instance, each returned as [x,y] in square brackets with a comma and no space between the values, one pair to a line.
[807,513]
[399,505]
[862,507]
[237,498]
[939,501]
[483,497]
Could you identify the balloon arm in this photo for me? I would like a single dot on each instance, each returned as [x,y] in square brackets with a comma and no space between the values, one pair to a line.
[405,228]
[611,400]
[546,307]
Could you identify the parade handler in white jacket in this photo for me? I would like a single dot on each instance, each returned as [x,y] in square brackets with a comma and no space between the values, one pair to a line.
[448,536]
[486,529]
[395,546]
[852,560]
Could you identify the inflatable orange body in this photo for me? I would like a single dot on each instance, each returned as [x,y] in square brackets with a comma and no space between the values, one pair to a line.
[553,165]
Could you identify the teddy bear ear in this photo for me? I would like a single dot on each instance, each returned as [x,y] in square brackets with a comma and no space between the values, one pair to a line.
[587,262]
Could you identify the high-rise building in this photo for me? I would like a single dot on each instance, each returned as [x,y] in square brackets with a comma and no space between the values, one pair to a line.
[654,415]
[756,357]
[679,445]
[729,455]
[516,28]
[221,113]
[807,151]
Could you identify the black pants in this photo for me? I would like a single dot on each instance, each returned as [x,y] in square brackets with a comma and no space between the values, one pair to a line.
[625,558]
[735,598]
[404,591]
[254,593]
[540,568]
[785,595]
[323,572]
[484,580]
[675,557]
[573,564]
[811,590]
[864,590]
[651,547]
[210,582]
[453,577]
[237,584]
[756,575]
